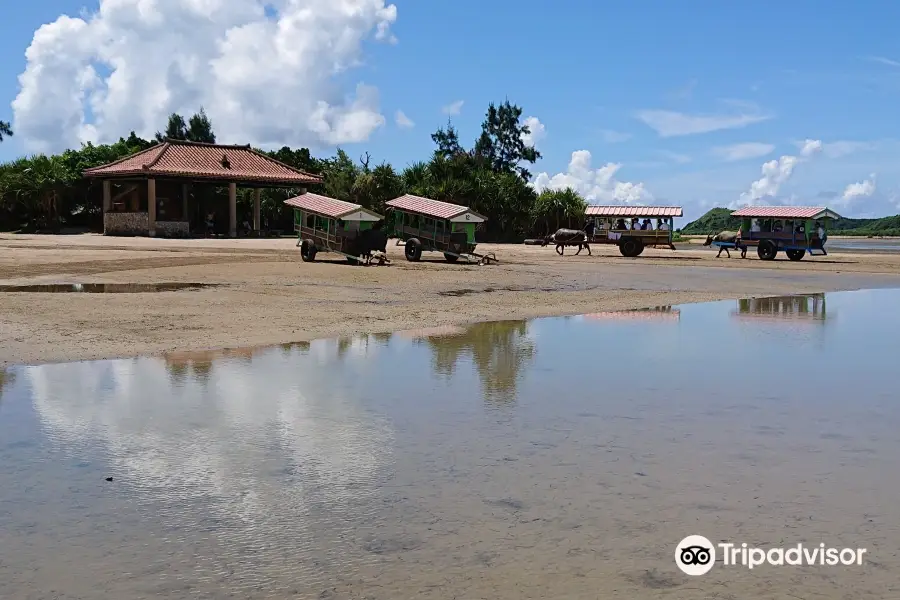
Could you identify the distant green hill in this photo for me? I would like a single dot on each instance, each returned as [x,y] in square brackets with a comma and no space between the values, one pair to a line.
[719,219]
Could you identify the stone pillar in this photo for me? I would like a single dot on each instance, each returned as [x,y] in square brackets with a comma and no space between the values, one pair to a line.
[107,201]
[232,209]
[184,203]
[256,200]
[151,206]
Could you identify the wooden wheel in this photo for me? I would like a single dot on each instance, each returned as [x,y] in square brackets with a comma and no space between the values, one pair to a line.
[631,247]
[767,250]
[795,254]
[413,250]
[451,258]
[308,251]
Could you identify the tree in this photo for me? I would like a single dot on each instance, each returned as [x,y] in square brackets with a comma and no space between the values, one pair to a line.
[200,129]
[5,130]
[447,141]
[196,129]
[553,207]
[501,144]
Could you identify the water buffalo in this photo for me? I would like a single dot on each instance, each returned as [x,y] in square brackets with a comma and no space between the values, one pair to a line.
[568,237]
[730,237]
[371,240]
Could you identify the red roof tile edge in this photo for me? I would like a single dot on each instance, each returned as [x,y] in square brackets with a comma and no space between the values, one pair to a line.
[168,143]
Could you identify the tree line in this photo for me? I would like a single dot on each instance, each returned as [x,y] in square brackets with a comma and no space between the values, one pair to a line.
[49,193]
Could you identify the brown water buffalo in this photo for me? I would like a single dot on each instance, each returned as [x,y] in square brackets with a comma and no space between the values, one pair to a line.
[568,237]
[728,237]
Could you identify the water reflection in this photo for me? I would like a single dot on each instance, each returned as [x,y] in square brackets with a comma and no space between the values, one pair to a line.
[7,379]
[500,352]
[657,313]
[810,308]
[103,288]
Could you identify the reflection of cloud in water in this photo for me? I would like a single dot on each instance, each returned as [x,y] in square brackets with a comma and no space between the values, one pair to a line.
[238,434]
[500,350]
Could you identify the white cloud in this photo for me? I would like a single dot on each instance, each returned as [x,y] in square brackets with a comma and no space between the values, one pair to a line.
[263,79]
[860,189]
[537,131]
[776,172]
[454,108]
[614,137]
[681,159]
[743,151]
[403,121]
[885,61]
[843,148]
[596,185]
[668,123]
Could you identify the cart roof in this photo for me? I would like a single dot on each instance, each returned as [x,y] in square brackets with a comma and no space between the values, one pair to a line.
[436,209]
[619,210]
[332,208]
[786,212]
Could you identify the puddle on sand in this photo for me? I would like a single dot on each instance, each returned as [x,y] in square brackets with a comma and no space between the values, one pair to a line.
[556,458]
[104,288]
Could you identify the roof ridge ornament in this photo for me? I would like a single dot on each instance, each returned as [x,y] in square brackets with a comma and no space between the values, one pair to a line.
[225,162]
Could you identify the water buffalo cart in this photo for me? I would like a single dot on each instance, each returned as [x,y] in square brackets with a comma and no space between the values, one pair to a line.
[426,225]
[633,228]
[326,224]
[796,230]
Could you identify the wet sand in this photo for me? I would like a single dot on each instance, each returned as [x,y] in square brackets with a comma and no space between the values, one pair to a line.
[268,296]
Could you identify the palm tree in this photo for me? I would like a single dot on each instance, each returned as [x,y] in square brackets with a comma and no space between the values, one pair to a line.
[5,130]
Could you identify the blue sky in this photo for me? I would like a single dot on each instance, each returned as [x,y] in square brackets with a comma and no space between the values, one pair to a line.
[656,88]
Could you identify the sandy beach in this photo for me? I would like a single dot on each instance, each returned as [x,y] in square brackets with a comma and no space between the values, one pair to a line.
[266,295]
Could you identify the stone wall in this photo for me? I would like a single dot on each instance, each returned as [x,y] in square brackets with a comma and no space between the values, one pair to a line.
[173,229]
[138,223]
[126,223]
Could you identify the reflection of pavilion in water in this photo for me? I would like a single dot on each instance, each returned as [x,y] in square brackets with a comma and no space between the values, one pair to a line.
[657,313]
[809,308]
[498,349]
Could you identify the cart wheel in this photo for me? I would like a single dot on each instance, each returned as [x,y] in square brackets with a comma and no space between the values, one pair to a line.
[795,254]
[451,258]
[413,249]
[308,251]
[631,247]
[767,250]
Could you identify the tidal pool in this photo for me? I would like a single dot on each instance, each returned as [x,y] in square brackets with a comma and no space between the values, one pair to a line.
[556,458]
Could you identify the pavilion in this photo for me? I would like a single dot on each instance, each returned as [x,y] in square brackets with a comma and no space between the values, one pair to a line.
[153,185]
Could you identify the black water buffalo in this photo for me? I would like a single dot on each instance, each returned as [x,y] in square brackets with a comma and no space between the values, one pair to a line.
[568,237]
[371,240]
[730,237]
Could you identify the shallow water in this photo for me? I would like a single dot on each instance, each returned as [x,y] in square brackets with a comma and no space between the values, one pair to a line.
[103,288]
[865,244]
[558,458]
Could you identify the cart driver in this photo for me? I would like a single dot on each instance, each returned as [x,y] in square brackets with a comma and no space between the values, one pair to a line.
[589,228]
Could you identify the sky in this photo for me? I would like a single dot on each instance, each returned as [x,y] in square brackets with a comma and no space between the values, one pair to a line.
[652,102]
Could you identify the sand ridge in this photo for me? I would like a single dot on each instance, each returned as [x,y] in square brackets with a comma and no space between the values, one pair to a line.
[269,296]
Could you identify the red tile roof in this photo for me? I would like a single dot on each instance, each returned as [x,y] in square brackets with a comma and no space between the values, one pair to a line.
[784,212]
[429,207]
[323,205]
[633,211]
[176,158]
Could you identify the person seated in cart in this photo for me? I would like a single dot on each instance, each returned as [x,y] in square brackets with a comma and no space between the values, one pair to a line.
[661,225]
[634,224]
[620,224]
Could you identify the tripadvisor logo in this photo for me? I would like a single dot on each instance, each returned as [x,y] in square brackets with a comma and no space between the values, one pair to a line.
[696,555]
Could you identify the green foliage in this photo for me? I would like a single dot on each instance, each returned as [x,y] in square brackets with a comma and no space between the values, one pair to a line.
[196,129]
[49,193]
[714,221]
[5,130]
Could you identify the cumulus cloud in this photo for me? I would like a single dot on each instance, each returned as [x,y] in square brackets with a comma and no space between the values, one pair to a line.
[669,123]
[403,121]
[596,185]
[860,189]
[454,108]
[537,131]
[776,172]
[744,151]
[265,77]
